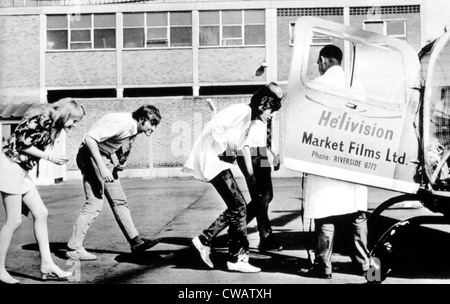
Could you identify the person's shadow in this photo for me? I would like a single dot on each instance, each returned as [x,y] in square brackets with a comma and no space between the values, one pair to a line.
[60,249]
[188,257]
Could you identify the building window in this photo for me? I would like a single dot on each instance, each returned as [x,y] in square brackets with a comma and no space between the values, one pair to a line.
[133,30]
[209,28]
[57,32]
[157,29]
[104,31]
[86,31]
[317,39]
[180,29]
[392,28]
[232,28]
[80,32]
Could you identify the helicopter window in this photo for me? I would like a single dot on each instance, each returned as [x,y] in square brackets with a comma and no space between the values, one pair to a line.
[312,72]
[375,74]
[438,94]
[380,71]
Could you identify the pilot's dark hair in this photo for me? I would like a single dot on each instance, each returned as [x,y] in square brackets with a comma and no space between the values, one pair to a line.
[331,51]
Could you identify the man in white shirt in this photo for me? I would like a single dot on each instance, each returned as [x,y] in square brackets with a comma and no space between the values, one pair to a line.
[111,135]
[225,133]
[329,201]
[253,161]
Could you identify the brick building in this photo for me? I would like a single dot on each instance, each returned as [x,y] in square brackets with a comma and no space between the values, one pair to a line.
[117,55]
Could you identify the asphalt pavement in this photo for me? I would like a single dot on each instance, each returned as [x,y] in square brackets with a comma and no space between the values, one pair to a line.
[178,209]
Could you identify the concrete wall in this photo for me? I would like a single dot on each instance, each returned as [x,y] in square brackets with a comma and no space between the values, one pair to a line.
[6,3]
[19,59]
[81,68]
[163,66]
[230,64]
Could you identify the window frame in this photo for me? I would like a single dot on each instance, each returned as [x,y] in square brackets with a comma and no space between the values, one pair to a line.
[57,29]
[314,42]
[154,27]
[168,31]
[178,26]
[367,98]
[91,34]
[385,25]
[94,28]
[91,30]
[222,40]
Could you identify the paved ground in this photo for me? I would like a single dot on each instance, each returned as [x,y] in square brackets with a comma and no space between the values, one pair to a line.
[177,209]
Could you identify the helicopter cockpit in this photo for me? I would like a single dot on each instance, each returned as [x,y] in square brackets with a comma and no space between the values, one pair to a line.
[362,131]
[436,120]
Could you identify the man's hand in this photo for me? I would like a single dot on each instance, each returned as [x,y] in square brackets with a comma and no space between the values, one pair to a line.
[251,180]
[106,174]
[276,162]
[251,184]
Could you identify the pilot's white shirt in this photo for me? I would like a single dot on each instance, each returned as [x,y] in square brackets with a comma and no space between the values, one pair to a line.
[326,197]
[334,76]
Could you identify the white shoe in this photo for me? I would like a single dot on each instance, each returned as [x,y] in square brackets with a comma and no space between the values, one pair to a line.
[204,251]
[81,255]
[242,266]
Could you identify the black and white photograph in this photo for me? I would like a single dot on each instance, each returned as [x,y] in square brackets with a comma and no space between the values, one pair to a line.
[224,147]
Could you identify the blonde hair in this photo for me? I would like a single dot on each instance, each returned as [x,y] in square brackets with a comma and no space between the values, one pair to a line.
[60,112]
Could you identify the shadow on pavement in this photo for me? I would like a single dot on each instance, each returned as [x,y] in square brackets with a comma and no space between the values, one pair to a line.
[146,258]
[180,258]
[290,240]
[26,276]
[189,258]
[59,249]
[281,221]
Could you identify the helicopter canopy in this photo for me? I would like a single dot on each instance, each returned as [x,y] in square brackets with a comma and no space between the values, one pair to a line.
[437,115]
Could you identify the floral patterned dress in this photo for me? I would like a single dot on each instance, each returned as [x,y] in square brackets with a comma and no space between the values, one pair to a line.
[36,132]
[15,165]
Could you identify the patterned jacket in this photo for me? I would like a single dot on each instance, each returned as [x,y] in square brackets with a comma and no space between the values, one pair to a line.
[35,131]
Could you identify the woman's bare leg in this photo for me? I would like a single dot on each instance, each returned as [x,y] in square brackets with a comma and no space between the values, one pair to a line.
[13,207]
[40,213]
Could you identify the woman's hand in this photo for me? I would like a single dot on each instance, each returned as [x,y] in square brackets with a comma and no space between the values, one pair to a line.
[57,160]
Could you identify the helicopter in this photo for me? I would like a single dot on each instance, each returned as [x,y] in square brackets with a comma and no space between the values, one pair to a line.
[389,128]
